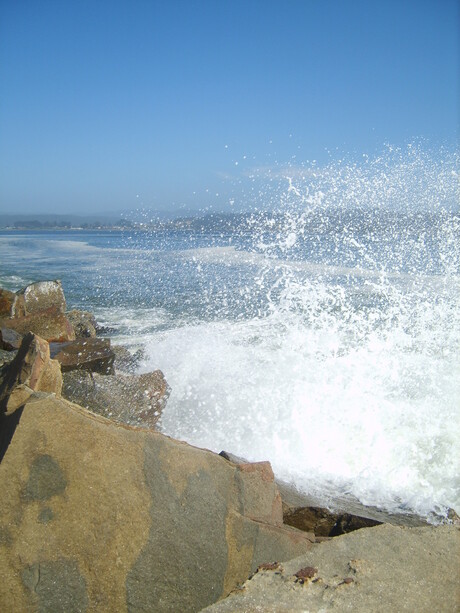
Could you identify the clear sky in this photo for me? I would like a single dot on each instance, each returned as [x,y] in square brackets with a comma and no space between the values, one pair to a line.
[114,104]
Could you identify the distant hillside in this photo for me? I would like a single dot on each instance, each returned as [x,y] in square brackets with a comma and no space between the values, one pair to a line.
[10,220]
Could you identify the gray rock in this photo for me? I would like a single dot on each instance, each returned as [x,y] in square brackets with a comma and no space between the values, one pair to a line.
[132,399]
[6,357]
[125,361]
[83,322]
[10,339]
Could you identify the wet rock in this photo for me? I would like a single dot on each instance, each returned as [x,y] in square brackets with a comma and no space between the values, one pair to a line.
[51,325]
[381,569]
[10,339]
[83,322]
[6,357]
[102,516]
[125,361]
[93,354]
[132,399]
[30,370]
[43,295]
[323,522]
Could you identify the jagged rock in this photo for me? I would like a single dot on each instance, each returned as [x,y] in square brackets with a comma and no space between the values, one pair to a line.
[105,517]
[43,295]
[31,369]
[83,322]
[50,324]
[131,399]
[94,354]
[6,357]
[11,305]
[37,308]
[323,522]
[125,361]
[382,569]
[10,340]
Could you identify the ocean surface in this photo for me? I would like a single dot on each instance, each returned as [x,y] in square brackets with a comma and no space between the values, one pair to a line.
[322,335]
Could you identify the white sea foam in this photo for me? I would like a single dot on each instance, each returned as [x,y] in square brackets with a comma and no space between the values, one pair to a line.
[349,381]
[342,408]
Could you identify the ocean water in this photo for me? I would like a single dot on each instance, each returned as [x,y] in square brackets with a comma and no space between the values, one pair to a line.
[320,331]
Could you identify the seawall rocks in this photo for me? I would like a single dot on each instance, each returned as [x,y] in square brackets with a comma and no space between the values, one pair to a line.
[100,516]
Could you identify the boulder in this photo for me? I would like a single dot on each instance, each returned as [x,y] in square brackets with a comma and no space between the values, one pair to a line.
[98,516]
[93,354]
[31,369]
[6,357]
[10,340]
[83,323]
[131,399]
[43,295]
[382,569]
[125,361]
[51,325]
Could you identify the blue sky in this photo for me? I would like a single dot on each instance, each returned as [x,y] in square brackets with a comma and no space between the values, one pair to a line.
[111,105]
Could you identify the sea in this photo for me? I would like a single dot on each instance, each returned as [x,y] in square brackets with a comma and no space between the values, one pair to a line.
[319,329]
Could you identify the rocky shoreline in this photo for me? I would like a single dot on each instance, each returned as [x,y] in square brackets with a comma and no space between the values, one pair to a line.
[101,512]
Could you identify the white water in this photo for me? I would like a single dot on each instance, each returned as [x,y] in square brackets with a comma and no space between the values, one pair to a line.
[350,382]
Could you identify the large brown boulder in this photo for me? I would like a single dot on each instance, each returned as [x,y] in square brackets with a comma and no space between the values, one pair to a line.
[386,569]
[37,308]
[31,370]
[97,516]
[41,296]
[137,400]
[93,354]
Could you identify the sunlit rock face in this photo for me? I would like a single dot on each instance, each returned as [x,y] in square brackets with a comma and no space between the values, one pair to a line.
[100,516]
[42,295]
[38,308]
[382,569]
[31,370]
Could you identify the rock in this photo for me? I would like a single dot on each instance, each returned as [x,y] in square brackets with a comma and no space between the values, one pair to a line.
[10,340]
[50,324]
[94,354]
[6,357]
[43,295]
[105,517]
[323,522]
[132,399]
[125,361]
[83,322]
[382,569]
[304,511]
[31,369]
[11,305]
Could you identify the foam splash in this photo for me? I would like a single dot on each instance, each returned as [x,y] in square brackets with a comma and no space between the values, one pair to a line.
[347,379]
